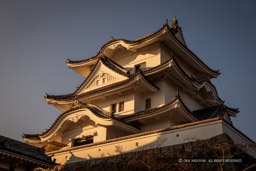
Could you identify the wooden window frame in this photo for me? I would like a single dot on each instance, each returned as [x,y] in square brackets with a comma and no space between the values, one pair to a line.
[121,106]
[148,103]
[82,141]
[113,108]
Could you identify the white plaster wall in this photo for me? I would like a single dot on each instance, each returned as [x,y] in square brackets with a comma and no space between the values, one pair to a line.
[156,124]
[150,55]
[78,133]
[191,103]
[101,134]
[127,98]
[157,99]
[188,69]
[139,102]
[168,138]
[169,92]
[98,133]
[114,133]
[164,55]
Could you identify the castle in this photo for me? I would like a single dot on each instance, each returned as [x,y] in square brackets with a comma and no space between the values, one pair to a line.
[136,95]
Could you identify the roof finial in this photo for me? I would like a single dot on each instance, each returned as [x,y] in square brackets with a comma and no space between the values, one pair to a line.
[166,22]
[174,24]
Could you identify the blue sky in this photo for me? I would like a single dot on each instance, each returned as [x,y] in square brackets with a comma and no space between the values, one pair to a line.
[36,38]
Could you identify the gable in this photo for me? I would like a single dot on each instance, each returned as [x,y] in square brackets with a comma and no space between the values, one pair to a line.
[101,76]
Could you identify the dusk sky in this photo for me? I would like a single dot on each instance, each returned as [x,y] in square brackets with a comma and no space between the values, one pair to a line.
[37,37]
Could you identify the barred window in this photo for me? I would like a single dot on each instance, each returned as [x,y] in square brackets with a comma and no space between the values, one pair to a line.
[113,108]
[97,82]
[121,106]
[148,103]
[104,80]
[82,141]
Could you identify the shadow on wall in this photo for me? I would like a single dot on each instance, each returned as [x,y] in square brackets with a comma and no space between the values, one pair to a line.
[200,154]
[74,158]
[119,150]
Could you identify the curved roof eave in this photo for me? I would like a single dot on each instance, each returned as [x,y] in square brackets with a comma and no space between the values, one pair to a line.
[232,111]
[173,63]
[122,84]
[155,111]
[68,116]
[206,85]
[197,60]
[132,44]
[92,112]
[112,42]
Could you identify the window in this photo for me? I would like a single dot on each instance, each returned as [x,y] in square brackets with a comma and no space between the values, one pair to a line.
[113,108]
[97,82]
[104,80]
[82,141]
[121,106]
[137,67]
[148,103]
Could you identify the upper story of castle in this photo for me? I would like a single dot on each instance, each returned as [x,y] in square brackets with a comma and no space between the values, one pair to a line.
[131,76]
[134,86]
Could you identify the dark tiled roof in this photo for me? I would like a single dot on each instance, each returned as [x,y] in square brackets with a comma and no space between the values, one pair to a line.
[212,112]
[93,108]
[71,95]
[82,60]
[148,111]
[107,62]
[98,90]
[114,66]
[196,80]
[24,149]
[31,136]
[147,72]
[145,38]
[136,41]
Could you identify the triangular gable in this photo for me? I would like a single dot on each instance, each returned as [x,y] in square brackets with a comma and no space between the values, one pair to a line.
[102,75]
